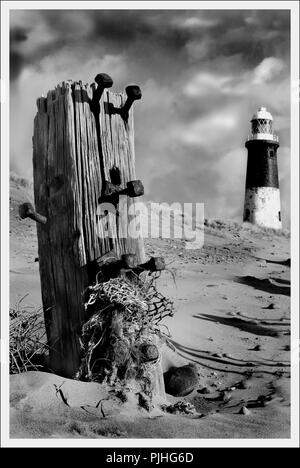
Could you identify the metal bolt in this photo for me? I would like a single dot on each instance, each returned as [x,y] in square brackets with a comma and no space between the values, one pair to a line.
[134,93]
[103,81]
[111,192]
[26,210]
[154,264]
[129,260]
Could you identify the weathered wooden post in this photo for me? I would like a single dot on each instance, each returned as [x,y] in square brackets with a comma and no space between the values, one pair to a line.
[83,152]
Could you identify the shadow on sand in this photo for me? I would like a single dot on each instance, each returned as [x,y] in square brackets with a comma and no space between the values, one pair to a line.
[264,285]
[284,322]
[199,357]
[243,325]
[228,364]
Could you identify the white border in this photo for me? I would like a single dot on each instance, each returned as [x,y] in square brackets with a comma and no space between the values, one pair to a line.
[294,191]
[293,6]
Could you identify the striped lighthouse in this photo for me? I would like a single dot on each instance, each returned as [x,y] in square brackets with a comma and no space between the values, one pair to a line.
[262,197]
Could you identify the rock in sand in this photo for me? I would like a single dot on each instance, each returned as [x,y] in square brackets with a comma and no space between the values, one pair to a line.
[180,381]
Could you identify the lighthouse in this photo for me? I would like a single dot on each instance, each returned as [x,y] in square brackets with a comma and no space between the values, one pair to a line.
[262,197]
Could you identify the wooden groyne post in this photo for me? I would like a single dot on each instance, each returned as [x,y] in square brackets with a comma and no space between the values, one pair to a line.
[83,153]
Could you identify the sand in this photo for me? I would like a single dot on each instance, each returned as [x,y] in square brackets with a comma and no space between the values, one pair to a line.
[232,320]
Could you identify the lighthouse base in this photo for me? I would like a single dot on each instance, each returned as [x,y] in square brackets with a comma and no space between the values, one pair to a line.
[262,207]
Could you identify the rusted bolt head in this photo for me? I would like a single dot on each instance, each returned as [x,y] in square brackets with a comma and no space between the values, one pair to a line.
[129,260]
[135,188]
[25,210]
[133,92]
[156,264]
[104,80]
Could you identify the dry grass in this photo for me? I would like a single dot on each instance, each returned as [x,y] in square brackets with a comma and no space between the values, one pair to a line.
[229,225]
[27,339]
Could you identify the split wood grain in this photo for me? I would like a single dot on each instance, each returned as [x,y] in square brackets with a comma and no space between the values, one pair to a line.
[69,168]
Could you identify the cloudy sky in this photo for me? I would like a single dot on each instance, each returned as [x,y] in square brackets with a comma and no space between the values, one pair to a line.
[202,74]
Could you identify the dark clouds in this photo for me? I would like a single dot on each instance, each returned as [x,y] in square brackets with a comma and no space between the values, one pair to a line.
[17,34]
[250,34]
[203,74]
[17,61]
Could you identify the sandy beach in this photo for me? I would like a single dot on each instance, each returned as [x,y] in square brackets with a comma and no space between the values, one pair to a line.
[232,320]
